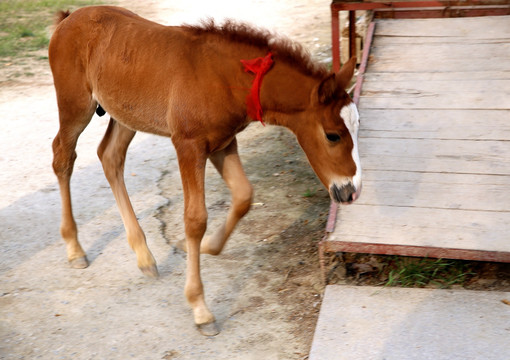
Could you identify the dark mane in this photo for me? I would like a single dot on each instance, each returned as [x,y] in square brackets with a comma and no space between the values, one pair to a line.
[283,48]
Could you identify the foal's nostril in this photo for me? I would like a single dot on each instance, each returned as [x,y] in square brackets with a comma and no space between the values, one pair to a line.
[343,194]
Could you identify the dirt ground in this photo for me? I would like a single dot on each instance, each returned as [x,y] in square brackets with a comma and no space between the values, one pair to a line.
[264,289]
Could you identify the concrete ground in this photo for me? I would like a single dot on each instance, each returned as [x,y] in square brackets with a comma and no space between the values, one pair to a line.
[374,323]
[109,310]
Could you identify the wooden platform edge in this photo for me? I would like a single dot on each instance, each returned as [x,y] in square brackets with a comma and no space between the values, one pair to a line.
[326,245]
[419,251]
[407,250]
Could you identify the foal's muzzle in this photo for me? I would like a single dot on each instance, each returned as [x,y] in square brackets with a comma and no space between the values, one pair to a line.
[344,194]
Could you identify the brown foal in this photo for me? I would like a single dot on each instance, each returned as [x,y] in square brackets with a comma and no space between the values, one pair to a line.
[199,85]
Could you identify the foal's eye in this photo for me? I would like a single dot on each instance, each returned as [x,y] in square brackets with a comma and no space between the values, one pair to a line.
[333,137]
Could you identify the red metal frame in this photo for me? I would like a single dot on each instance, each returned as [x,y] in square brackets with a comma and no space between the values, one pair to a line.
[406,250]
[330,226]
[325,245]
[407,9]
[420,251]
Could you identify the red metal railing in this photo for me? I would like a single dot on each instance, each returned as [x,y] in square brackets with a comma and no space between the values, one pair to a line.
[407,9]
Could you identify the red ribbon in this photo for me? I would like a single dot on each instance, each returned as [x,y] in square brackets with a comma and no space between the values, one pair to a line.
[259,66]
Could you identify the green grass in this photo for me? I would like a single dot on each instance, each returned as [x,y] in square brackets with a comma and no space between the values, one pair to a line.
[309,193]
[421,272]
[24,24]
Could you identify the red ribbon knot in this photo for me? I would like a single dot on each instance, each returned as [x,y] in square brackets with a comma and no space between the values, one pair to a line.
[258,66]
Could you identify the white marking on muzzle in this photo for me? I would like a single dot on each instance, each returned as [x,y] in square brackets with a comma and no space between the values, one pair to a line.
[349,113]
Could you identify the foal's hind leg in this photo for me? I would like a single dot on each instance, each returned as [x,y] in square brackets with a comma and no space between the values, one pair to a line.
[229,165]
[112,152]
[75,114]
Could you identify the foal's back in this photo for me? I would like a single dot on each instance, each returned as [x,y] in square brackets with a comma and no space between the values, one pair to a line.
[150,77]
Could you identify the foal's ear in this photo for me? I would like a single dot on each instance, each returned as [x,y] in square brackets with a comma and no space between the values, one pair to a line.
[346,73]
[327,89]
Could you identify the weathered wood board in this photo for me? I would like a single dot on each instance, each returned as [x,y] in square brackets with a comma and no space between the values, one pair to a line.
[441,125]
[434,141]
[489,27]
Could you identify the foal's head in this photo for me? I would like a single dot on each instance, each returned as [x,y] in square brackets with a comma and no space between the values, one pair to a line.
[329,136]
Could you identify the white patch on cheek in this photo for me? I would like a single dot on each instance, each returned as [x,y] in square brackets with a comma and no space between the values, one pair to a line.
[349,113]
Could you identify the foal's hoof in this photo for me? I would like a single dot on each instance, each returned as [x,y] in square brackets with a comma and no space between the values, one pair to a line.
[79,263]
[209,329]
[181,245]
[150,271]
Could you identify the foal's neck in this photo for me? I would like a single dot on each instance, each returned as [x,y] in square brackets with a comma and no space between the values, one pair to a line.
[285,93]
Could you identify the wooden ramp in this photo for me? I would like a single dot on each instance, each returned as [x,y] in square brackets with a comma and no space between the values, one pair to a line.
[434,143]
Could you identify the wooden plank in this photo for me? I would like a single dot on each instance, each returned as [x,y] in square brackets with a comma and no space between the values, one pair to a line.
[468,101]
[436,124]
[453,94]
[438,75]
[431,155]
[442,12]
[487,27]
[481,180]
[431,87]
[436,190]
[431,40]
[414,226]
[439,57]
[426,52]
[407,97]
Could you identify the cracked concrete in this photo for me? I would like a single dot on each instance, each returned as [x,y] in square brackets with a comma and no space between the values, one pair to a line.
[109,310]
[263,289]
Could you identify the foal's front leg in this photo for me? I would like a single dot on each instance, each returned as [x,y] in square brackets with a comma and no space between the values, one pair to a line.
[228,164]
[192,158]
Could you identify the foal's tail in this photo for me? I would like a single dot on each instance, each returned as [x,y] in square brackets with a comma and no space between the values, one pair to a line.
[60,16]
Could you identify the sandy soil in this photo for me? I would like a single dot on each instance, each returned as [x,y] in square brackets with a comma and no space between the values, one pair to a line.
[264,289]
